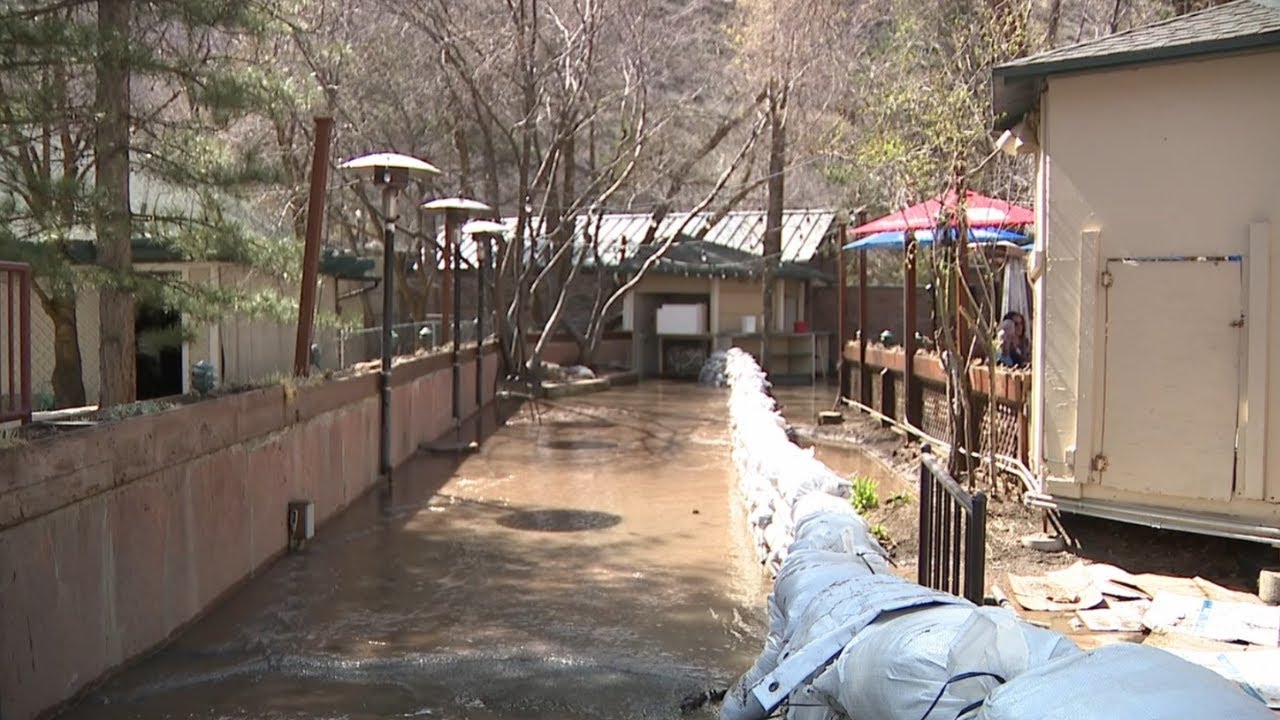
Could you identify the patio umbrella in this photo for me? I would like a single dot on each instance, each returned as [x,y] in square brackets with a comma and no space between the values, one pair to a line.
[980,210]
[896,238]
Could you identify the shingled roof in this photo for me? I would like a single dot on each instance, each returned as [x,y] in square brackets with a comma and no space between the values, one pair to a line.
[1234,27]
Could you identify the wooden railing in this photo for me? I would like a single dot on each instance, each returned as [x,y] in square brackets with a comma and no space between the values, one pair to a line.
[922,401]
[15,350]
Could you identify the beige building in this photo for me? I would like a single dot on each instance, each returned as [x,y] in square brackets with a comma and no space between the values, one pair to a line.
[1157,395]
[242,349]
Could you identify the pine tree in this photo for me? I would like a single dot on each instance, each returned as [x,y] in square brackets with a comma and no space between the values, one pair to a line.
[97,98]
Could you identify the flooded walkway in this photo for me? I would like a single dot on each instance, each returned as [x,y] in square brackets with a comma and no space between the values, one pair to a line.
[594,564]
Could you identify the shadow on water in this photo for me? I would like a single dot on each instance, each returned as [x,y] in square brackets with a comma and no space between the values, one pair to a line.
[559,520]
[579,444]
[513,582]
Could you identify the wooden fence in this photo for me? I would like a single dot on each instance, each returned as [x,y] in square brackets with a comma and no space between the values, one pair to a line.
[922,402]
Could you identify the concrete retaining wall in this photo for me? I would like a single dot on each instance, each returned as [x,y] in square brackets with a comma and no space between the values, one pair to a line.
[114,537]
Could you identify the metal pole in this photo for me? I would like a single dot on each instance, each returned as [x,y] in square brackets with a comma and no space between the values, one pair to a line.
[311,247]
[909,331]
[864,377]
[482,259]
[451,220]
[388,276]
[446,279]
[842,308]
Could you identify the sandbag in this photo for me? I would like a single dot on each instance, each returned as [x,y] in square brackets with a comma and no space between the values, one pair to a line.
[934,662]
[1121,681]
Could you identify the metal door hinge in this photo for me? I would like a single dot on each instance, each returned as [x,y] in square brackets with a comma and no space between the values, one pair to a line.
[1100,463]
[1108,279]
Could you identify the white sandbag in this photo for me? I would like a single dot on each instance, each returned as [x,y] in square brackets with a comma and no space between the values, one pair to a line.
[1121,681]
[934,662]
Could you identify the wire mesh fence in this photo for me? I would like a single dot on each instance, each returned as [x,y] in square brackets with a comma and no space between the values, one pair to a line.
[341,349]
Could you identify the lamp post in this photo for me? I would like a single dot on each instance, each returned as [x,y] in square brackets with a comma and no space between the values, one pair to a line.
[391,172]
[481,231]
[455,210]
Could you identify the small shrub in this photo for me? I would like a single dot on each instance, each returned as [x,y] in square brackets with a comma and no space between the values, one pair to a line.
[865,494]
[902,497]
[881,533]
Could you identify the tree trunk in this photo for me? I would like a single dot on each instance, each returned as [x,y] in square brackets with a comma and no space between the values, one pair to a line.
[117,354]
[68,373]
[773,218]
[1055,19]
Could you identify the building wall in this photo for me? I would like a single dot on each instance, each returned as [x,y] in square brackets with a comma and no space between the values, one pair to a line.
[244,350]
[736,297]
[1162,160]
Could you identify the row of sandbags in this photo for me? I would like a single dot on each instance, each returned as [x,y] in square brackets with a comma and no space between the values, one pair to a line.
[773,472]
[714,371]
[847,639]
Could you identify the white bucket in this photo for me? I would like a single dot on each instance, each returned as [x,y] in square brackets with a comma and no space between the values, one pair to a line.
[748,323]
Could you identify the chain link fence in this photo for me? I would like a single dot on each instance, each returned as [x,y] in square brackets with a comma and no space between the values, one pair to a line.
[341,349]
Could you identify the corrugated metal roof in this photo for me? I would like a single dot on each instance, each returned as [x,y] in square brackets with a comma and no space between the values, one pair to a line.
[617,235]
[802,232]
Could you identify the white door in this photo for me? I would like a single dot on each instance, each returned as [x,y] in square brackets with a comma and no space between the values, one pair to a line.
[1172,364]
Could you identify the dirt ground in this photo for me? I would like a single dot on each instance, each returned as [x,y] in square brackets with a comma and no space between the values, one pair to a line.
[1138,549]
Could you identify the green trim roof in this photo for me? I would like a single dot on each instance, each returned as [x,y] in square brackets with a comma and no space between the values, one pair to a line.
[703,258]
[147,251]
[1237,26]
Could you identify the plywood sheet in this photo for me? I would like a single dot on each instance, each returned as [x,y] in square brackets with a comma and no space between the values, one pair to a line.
[1172,374]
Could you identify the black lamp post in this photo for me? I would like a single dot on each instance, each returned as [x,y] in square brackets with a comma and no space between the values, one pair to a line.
[391,172]
[481,231]
[455,211]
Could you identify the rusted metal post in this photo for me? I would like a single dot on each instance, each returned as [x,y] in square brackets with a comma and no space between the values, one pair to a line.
[311,247]
[909,384]
[10,339]
[842,308]
[24,330]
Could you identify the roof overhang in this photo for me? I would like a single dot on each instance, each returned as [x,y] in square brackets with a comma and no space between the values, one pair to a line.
[1016,87]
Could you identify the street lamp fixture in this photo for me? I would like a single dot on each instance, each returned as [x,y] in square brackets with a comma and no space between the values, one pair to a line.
[482,232]
[391,172]
[455,211]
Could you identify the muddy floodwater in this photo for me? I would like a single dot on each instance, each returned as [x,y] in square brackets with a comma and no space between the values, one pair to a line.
[590,562]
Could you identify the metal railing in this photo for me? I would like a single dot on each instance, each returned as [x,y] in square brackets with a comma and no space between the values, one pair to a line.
[953,533]
[15,350]
[343,348]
